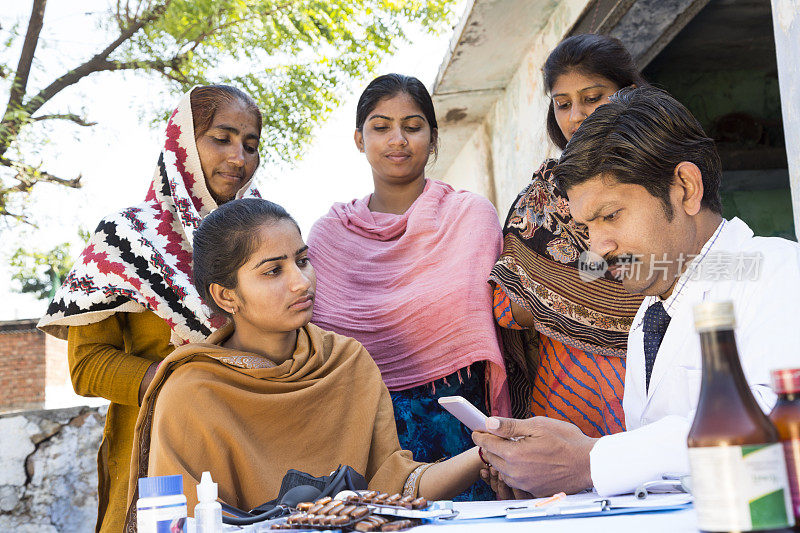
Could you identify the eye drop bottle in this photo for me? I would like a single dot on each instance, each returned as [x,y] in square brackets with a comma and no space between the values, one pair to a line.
[208,513]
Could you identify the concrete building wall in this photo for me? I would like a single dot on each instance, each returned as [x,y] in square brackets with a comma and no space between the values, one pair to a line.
[48,469]
[58,390]
[473,168]
[786,17]
[511,142]
[492,122]
[57,368]
[519,135]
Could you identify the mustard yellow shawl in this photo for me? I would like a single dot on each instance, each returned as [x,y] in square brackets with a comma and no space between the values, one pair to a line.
[248,421]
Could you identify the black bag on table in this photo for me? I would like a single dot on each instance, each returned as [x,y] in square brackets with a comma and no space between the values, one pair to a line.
[300,487]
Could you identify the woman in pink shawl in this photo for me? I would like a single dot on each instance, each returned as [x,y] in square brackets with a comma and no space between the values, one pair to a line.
[404,272]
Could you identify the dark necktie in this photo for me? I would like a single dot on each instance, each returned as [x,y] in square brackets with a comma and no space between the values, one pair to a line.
[656,321]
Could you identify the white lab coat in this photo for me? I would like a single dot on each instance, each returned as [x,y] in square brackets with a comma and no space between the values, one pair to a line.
[768,337]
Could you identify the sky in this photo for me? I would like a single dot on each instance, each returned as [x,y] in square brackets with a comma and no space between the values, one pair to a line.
[117,158]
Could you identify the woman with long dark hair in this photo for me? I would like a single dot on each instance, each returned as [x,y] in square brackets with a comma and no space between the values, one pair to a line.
[404,272]
[580,324]
[129,299]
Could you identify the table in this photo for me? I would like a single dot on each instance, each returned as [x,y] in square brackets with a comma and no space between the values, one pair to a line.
[680,521]
[684,521]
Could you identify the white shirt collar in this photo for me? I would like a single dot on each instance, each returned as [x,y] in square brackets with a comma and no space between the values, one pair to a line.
[672,302]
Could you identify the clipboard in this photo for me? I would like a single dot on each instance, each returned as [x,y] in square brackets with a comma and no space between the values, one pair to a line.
[602,507]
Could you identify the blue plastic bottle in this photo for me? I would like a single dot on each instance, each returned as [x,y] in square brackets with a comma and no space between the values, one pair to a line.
[161,507]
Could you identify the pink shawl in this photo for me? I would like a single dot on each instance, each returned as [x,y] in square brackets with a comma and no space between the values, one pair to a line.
[412,288]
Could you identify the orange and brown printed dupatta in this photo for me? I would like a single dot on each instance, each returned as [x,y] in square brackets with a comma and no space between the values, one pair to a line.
[538,270]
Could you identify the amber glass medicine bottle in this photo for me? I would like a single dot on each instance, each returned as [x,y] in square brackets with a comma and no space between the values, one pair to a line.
[739,477]
[786,417]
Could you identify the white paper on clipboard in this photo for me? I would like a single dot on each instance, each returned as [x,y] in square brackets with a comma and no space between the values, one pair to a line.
[585,500]
[602,506]
[654,499]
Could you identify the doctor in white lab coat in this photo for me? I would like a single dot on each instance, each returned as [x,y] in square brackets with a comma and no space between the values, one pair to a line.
[644,178]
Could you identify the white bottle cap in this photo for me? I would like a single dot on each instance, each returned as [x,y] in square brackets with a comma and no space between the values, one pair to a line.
[206,489]
[711,316]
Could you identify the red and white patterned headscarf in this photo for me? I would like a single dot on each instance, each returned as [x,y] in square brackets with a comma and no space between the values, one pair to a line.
[141,258]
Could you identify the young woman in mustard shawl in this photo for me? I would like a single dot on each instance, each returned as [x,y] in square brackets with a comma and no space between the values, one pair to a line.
[269,391]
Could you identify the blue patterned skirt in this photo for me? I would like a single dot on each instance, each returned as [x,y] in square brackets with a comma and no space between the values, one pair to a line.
[430,432]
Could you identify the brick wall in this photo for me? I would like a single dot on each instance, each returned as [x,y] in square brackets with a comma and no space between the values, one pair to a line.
[30,361]
[57,373]
[23,365]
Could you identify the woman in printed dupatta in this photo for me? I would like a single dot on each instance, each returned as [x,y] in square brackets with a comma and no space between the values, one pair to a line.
[582,323]
[404,270]
[129,299]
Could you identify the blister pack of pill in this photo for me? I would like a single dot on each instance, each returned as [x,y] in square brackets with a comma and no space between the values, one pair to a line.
[384,499]
[327,513]
[403,507]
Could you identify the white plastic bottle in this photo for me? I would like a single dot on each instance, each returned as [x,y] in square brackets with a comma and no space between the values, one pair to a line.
[161,505]
[208,513]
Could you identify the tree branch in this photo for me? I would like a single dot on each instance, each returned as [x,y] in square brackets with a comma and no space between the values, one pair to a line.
[176,75]
[94,64]
[11,126]
[23,71]
[6,214]
[80,121]
[28,176]
[136,64]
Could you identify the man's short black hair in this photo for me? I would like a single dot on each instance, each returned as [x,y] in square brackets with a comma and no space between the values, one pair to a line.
[639,137]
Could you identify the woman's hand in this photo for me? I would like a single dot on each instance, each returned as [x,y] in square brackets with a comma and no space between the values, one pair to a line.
[522,316]
[503,492]
[447,479]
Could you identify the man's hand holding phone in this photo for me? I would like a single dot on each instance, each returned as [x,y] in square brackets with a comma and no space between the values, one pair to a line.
[550,455]
[475,420]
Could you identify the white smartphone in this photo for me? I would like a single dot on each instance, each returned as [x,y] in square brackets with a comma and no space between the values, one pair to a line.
[468,414]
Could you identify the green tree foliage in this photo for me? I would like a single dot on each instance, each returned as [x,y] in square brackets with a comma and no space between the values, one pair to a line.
[296,58]
[42,272]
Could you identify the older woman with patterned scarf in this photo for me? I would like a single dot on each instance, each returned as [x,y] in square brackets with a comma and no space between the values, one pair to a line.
[129,299]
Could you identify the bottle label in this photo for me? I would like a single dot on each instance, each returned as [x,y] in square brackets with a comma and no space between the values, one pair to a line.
[742,488]
[162,519]
[208,518]
[791,449]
